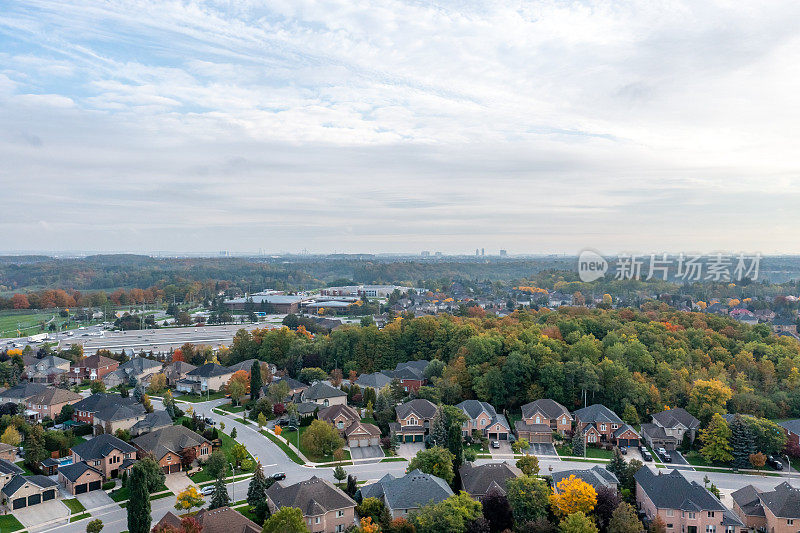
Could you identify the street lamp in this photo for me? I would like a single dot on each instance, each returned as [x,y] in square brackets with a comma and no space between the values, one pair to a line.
[233,482]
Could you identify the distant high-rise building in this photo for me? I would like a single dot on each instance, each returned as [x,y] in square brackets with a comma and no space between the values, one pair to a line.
[477,252]
[438,254]
[483,252]
[425,253]
[503,253]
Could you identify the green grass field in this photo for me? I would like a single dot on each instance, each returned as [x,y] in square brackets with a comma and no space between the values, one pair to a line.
[28,322]
[9,523]
[291,436]
[74,505]
[282,445]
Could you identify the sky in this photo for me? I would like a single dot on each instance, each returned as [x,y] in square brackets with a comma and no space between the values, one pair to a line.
[387,126]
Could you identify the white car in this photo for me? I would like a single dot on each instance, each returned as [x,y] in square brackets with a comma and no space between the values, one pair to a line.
[208,490]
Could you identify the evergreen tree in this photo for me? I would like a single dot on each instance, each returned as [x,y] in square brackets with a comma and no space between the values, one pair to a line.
[352,485]
[438,435]
[578,445]
[741,442]
[35,451]
[220,496]
[257,490]
[255,381]
[617,464]
[139,503]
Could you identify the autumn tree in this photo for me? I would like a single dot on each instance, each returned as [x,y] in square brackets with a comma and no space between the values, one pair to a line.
[238,385]
[716,441]
[758,460]
[285,520]
[577,522]
[11,436]
[529,464]
[573,495]
[321,439]
[528,498]
[707,397]
[625,519]
[188,499]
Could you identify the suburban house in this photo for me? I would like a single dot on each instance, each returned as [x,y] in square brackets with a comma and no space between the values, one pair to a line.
[49,369]
[402,495]
[785,325]
[774,511]
[209,377]
[79,478]
[545,411]
[792,430]
[7,471]
[597,422]
[92,368]
[361,434]
[137,369]
[221,520]
[105,453]
[677,422]
[685,507]
[376,380]
[151,422]
[49,403]
[295,386]
[597,477]
[8,452]
[247,366]
[322,393]
[478,481]
[176,371]
[169,444]
[20,392]
[347,420]
[414,420]
[625,435]
[24,491]
[411,374]
[325,507]
[108,412]
[483,417]
[339,416]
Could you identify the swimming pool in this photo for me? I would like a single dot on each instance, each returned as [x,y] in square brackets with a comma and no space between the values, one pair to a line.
[65,461]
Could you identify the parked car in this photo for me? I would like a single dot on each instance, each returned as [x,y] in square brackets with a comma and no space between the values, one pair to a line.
[210,422]
[495,444]
[623,450]
[774,462]
[277,476]
[208,490]
[646,456]
[662,451]
[666,457]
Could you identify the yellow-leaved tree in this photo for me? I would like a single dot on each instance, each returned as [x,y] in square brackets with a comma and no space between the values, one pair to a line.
[573,495]
[10,436]
[188,499]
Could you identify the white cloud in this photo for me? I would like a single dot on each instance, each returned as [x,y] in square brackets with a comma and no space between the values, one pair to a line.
[534,126]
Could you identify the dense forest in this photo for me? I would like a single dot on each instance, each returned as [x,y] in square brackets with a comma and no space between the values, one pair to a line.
[635,362]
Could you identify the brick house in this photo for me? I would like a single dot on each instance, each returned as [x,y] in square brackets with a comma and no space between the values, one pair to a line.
[106,454]
[169,444]
[79,478]
[325,507]
[411,374]
[136,369]
[92,367]
[348,422]
[176,371]
[483,417]
[49,403]
[414,420]
[406,494]
[25,491]
[676,423]
[550,412]
[108,412]
[685,507]
[598,423]
[322,393]
[220,520]
[775,511]
[209,377]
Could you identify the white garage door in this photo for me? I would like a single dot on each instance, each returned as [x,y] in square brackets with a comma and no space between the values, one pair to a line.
[364,442]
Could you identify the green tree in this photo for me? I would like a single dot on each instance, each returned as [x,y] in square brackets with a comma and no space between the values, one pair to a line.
[262,420]
[741,441]
[617,464]
[139,501]
[520,445]
[625,519]
[255,380]
[578,444]
[375,509]
[285,520]
[577,523]
[257,490]
[768,437]
[529,464]
[97,386]
[216,464]
[707,397]
[239,453]
[220,497]
[528,497]
[451,514]
[716,441]
[94,526]
[153,474]
[339,474]
[321,439]
[35,451]
[436,461]
[312,374]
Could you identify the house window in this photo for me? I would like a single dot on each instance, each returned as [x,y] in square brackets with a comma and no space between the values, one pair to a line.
[169,458]
[669,526]
[203,451]
[538,419]
[670,512]
[789,521]
[97,463]
[710,528]
[316,520]
[602,427]
[614,426]
[692,515]
[483,422]
[325,402]
[564,420]
[711,514]
[339,514]
[412,421]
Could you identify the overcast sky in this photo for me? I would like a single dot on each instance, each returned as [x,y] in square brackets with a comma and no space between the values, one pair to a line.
[385,126]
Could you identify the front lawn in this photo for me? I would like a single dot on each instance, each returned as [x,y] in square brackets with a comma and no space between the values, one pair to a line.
[22,465]
[74,505]
[369,421]
[695,459]
[122,493]
[591,452]
[227,446]
[291,436]
[10,523]
[290,453]
[229,407]
[197,398]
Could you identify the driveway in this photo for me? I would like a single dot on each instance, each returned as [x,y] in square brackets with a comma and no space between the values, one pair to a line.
[177,482]
[542,448]
[409,449]
[504,449]
[43,512]
[94,499]
[366,452]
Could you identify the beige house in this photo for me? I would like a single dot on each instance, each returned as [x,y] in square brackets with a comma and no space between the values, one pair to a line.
[547,412]
[325,507]
[8,452]
[79,478]
[482,416]
[685,507]
[25,491]
[49,403]
[775,511]
[7,471]
[414,420]
[105,453]
[209,377]
[322,393]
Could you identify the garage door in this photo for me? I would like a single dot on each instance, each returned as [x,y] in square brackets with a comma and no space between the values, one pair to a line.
[80,489]
[503,436]
[94,485]
[174,468]
[628,442]
[48,494]
[409,438]
[34,499]
[19,503]
[363,442]
[417,438]
[375,441]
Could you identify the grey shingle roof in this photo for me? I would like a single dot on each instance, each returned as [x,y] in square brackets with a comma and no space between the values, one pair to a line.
[24,390]
[623,428]
[421,407]
[7,467]
[652,431]
[596,476]
[243,365]
[376,380]
[18,481]
[322,390]
[75,470]
[154,420]
[169,439]
[477,480]
[138,365]
[748,500]
[411,491]
[673,491]
[209,370]
[597,413]
[792,426]
[784,501]
[549,408]
[673,417]
[314,496]
[100,446]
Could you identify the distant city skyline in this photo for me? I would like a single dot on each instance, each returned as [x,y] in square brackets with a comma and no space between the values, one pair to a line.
[389,126]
